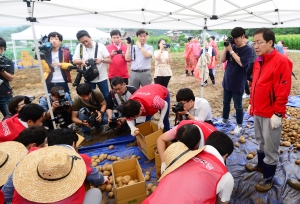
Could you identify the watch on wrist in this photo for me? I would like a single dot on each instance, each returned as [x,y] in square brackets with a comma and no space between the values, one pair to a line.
[140,47]
[102,60]
[102,113]
[278,114]
[187,115]
[231,52]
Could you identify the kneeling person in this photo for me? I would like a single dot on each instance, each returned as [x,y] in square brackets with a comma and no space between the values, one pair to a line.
[88,109]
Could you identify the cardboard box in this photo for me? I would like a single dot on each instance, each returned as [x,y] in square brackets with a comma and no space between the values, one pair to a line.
[80,140]
[136,191]
[147,138]
[134,200]
[158,161]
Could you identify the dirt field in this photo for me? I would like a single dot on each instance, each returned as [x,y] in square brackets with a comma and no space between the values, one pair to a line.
[28,82]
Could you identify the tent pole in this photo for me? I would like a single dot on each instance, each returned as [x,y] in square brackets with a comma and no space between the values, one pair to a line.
[203,58]
[15,54]
[31,19]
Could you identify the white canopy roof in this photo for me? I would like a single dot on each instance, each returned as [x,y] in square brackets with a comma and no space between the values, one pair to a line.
[68,33]
[155,14]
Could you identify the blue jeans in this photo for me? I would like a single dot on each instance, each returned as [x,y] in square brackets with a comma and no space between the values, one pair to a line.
[3,105]
[237,100]
[62,84]
[102,85]
[82,116]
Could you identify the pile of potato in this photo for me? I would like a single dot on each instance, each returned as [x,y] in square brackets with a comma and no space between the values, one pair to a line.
[150,189]
[293,112]
[290,133]
[95,160]
[126,180]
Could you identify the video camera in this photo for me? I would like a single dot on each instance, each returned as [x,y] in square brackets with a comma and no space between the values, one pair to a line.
[228,41]
[178,106]
[3,66]
[44,47]
[129,40]
[62,101]
[91,116]
[114,122]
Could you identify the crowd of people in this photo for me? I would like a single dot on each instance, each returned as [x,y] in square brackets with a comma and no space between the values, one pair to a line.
[37,151]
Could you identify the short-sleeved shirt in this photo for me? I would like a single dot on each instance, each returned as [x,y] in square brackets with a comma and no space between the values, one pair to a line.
[90,53]
[93,105]
[201,110]
[162,67]
[139,61]
[235,76]
[5,89]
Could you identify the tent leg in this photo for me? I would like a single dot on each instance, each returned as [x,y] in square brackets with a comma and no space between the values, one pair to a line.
[15,54]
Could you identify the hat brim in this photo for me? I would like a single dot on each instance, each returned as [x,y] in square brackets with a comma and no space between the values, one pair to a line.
[16,151]
[182,160]
[33,188]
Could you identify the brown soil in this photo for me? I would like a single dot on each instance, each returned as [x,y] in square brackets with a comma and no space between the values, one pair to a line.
[28,82]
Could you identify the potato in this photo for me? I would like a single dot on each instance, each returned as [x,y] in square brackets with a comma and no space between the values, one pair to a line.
[297,161]
[131,182]
[249,138]
[133,156]
[108,167]
[250,156]
[136,181]
[149,186]
[237,144]
[148,172]
[153,189]
[111,181]
[138,157]
[94,164]
[287,143]
[136,132]
[102,187]
[120,183]
[110,194]
[253,153]
[113,158]
[232,132]
[119,178]
[106,173]
[98,160]
[111,147]
[109,157]
[126,179]
[105,156]
[95,157]
[147,177]
[295,151]
[108,187]
[147,193]
[242,139]
[119,158]
[281,151]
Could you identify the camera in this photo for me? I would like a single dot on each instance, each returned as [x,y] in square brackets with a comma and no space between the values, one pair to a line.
[228,41]
[62,101]
[178,106]
[3,66]
[119,52]
[28,99]
[167,45]
[59,119]
[130,40]
[44,47]
[114,122]
[91,116]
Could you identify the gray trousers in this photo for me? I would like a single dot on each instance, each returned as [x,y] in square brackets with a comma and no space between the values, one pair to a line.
[267,138]
[93,196]
[138,79]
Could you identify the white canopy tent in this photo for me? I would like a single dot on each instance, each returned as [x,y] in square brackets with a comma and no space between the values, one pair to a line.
[151,14]
[68,33]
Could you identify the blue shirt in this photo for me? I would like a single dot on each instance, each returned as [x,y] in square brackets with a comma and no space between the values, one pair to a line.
[279,48]
[235,76]
[44,104]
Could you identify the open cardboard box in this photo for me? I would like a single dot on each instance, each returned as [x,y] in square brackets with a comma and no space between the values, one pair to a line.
[158,161]
[80,140]
[133,192]
[147,138]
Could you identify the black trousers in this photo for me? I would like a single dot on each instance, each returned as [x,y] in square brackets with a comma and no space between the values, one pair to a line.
[211,75]
[162,80]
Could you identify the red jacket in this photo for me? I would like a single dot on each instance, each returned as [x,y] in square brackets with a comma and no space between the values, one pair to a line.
[198,180]
[10,128]
[146,94]
[206,128]
[118,65]
[271,85]
[76,198]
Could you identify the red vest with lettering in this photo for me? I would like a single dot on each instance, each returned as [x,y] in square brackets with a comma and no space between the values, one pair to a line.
[10,129]
[199,178]
[206,128]
[146,94]
[76,198]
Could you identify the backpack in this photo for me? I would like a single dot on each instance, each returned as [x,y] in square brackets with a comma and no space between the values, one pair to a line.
[91,73]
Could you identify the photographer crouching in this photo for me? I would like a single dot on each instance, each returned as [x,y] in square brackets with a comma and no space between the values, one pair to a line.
[6,75]
[88,109]
[61,104]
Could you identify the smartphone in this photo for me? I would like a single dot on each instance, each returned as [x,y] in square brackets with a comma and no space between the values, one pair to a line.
[119,51]
[167,45]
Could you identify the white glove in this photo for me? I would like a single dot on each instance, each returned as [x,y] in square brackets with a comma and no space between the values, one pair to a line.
[275,121]
[106,179]
[134,131]
[163,167]
[248,110]
[160,125]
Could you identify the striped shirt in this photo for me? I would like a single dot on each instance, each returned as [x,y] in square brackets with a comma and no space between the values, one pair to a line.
[139,61]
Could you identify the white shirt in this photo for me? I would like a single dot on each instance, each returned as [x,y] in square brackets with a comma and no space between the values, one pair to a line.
[118,46]
[201,110]
[226,183]
[90,53]
[57,76]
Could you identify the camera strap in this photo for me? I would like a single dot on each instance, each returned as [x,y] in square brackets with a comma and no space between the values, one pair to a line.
[80,51]
[94,96]
[96,51]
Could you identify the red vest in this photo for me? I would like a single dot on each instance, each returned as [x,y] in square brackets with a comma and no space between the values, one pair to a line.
[146,94]
[198,183]
[10,128]
[206,128]
[76,198]
[66,58]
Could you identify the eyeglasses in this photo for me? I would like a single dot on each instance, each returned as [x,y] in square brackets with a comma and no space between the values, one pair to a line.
[257,43]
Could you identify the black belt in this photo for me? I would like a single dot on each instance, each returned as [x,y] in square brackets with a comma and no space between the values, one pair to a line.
[142,70]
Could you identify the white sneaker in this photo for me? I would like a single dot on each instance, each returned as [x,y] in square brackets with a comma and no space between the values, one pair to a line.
[238,129]
[219,122]
[246,96]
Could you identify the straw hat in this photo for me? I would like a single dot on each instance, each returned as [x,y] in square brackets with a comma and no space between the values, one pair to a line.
[49,174]
[176,155]
[10,154]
